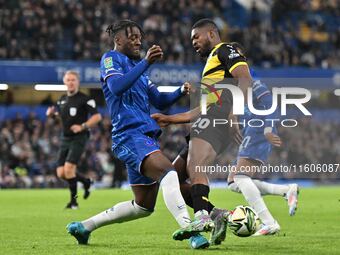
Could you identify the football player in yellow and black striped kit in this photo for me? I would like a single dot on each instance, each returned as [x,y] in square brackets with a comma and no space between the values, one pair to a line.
[223,63]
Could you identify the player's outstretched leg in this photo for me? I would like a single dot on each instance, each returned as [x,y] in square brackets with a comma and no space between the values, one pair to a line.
[253,196]
[264,229]
[121,212]
[289,192]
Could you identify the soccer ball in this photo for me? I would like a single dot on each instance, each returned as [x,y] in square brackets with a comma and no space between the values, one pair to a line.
[243,221]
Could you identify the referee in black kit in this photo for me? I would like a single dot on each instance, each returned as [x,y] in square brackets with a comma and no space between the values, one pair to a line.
[73,110]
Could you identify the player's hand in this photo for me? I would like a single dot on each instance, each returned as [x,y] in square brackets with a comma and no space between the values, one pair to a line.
[273,139]
[162,120]
[76,128]
[186,87]
[154,53]
[236,134]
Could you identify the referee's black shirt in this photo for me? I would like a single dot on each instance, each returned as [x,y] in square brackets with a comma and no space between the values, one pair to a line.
[75,109]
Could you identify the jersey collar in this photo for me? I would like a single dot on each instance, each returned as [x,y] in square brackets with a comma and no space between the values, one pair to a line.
[216,47]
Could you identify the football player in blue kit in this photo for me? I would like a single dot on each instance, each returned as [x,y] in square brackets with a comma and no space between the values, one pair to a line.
[129,93]
[254,151]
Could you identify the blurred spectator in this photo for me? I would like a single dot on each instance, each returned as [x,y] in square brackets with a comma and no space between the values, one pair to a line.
[28,155]
[285,33]
[29,148]
[47,100]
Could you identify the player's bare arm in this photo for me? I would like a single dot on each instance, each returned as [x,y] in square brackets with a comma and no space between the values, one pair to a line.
[242,74]
[179,118]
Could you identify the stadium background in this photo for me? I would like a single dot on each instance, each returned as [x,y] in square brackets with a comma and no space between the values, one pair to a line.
[39,40]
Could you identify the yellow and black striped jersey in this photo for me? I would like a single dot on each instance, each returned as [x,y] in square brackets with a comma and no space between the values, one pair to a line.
[222,60]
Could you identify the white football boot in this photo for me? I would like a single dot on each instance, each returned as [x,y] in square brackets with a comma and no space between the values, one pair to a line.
[292,198]
[265,230]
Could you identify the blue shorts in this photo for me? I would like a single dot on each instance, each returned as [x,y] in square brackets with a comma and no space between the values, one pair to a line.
[255,146]
[132,149]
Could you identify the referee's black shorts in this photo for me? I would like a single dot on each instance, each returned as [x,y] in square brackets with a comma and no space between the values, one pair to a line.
[71,149]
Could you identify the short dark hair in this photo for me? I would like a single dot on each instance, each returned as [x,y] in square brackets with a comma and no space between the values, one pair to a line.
[124,24]
[205,22]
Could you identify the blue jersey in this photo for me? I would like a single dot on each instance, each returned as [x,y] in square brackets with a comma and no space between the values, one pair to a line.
[262,100]
[128,93]
[255,145]
[130,112]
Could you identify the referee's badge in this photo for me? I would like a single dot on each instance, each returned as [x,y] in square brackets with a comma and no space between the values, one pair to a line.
[73,111]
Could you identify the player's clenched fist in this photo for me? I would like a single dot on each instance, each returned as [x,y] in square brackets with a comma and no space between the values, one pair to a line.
[154,53]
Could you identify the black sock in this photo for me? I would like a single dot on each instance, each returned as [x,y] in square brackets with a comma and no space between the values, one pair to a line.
[210,207]
[185,191]
[81,178]
[73,188]
[200,194]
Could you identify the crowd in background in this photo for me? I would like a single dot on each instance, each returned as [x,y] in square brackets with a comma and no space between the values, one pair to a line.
[273,32]
[302,32]
[29,149]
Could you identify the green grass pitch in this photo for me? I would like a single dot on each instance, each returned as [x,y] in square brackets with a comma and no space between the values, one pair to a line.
[33,222]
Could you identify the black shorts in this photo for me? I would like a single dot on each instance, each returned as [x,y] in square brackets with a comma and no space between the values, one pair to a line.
[71,149]
[184,152]
[209,127]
